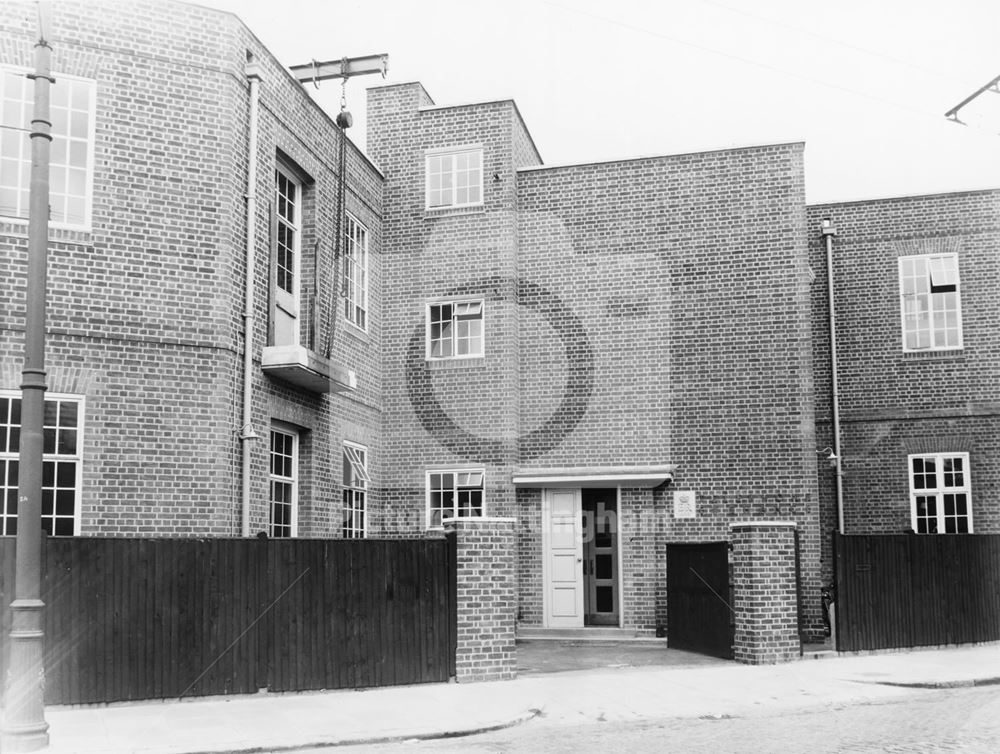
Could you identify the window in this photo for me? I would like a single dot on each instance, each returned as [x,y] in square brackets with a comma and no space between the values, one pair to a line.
[356,481]
[454,494]
[455,330]
[940,493]
[454,178]
[356,274]
[61,463]
[931,305]
[287,261]
[284,482]
[71,154]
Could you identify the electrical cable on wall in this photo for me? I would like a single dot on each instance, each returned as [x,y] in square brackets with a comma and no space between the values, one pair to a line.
[344,121]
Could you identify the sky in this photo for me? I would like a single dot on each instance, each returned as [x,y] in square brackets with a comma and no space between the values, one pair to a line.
[864,83]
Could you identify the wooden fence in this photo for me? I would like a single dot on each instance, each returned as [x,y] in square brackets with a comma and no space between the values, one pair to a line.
[133,619]
[912,590]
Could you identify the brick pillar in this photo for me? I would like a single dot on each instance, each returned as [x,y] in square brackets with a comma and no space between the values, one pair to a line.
[487,598]
[765,592]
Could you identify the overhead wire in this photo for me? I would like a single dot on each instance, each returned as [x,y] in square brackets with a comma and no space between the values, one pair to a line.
[834,40]
[937,117]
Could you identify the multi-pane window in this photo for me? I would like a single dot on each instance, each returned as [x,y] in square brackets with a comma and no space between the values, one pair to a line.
[356,274]
[356,480]
[62,451]
[454,494]
[455,330]
[454,178]
[288,231]
[284,482]
[931,303]
[940,495]
[71,152]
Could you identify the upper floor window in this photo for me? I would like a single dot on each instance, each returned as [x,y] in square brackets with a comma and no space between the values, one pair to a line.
[454,494]
[62,456]
[940,493]
[931,303]
[71,156]
[455,330]
[356,480]
[284,479]
[356,274]
[454,178]
[287,255]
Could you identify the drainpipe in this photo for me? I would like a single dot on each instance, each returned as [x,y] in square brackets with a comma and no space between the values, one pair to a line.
[247,435]
[829,231]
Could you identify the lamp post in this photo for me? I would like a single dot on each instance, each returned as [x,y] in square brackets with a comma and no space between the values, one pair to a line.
[24,726]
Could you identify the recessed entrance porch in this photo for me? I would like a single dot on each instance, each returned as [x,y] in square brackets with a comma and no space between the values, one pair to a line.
[575,538]
[581,574]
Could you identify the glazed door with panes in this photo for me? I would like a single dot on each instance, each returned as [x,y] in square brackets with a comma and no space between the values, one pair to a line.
[287,261]
[600,557]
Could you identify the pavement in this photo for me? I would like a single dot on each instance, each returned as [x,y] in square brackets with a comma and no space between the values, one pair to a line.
[620,683]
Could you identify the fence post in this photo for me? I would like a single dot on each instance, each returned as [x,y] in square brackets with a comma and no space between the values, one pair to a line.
[451,539]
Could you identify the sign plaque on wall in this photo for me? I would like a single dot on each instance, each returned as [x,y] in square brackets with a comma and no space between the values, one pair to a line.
[684,506]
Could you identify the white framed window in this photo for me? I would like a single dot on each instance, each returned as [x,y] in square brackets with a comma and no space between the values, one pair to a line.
[930,301]
[71,156]
[62,463]
[940,493]
[454,177]
[356,481]
[454,493]
[356,274]
[287,255]
[284,482]
[455,330]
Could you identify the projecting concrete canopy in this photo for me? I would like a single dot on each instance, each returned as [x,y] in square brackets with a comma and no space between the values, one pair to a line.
[585,477]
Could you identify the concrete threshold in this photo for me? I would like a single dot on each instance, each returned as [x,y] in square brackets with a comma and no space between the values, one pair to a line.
[590,633]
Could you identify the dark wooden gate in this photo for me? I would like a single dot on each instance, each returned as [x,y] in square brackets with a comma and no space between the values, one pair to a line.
[699,598]
[908,590]
[129,619]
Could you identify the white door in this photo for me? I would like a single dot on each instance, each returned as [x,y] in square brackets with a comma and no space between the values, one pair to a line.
[562,551]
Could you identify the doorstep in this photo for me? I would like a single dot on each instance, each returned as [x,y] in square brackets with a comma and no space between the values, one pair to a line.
[590,633]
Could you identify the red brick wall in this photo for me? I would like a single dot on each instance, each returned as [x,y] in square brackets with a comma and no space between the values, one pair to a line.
[681,293]
[433,255]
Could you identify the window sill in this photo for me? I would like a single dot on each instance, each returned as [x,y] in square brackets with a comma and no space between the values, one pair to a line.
[434,214]
[474,362]
[954,354]
[356,332]
[57,234]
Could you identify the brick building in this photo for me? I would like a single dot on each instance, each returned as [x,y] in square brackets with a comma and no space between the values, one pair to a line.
[639,328]
[639,346]
[917,363]
[152,114]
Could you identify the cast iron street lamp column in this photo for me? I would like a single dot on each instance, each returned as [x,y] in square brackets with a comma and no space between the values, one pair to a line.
[24,727]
